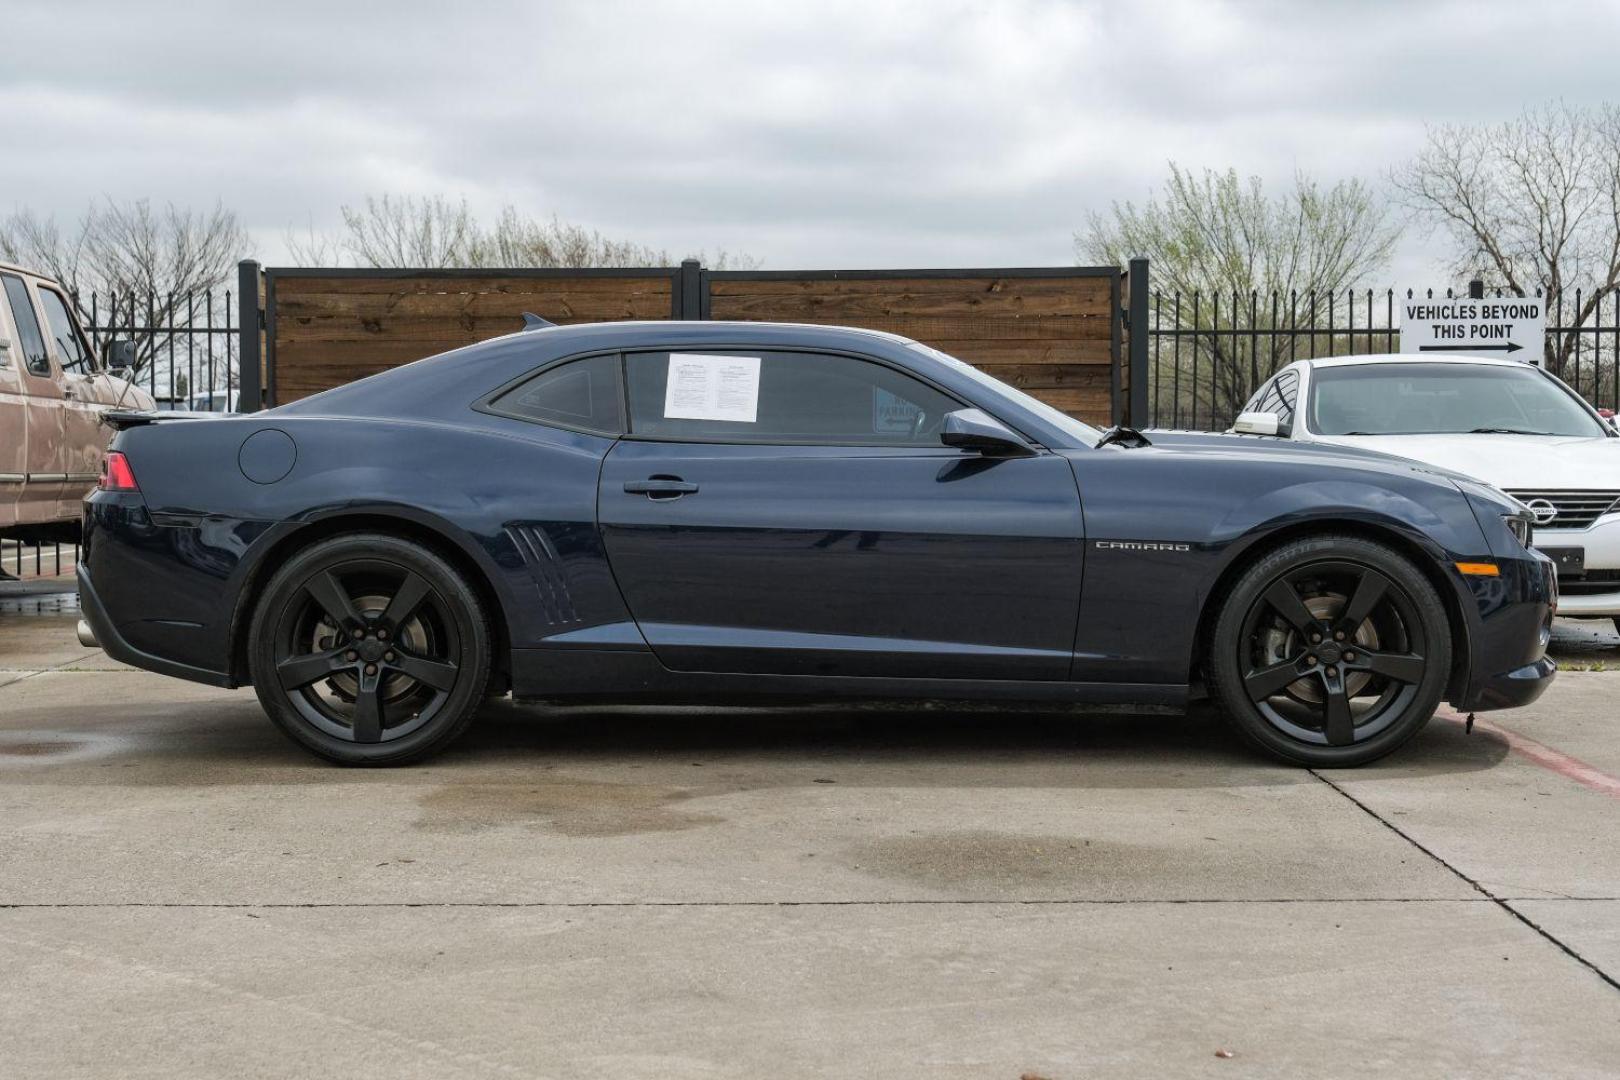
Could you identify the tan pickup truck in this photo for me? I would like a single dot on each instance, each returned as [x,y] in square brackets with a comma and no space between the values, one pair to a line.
[53,391]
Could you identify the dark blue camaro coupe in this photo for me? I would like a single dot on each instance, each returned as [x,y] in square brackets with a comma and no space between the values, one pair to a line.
[723,512]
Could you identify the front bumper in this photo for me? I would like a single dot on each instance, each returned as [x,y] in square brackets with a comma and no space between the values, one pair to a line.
[1508,664]
[1590,605]
[1601,543]
[1511,689]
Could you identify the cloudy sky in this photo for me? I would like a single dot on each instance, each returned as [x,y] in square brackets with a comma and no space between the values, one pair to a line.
[807,134]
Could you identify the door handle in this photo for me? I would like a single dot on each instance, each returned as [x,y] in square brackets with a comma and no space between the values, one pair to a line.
[660,487]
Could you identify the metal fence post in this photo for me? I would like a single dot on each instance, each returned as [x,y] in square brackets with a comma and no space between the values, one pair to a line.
[248,328]
[690,284]
[1137,325]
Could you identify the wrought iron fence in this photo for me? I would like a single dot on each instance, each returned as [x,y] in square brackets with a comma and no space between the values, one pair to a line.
[185,351]
[1208,353]
[185,345]
[37,558]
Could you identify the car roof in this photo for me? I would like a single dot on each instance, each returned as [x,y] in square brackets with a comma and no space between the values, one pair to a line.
[1407,358]
[717,328]
[444,386]
[15,269]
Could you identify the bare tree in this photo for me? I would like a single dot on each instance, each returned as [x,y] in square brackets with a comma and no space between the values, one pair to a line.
[516,240]
[397,231]
[1231,251]
[1532,204]
[158,264]
[404,231]
[310,247]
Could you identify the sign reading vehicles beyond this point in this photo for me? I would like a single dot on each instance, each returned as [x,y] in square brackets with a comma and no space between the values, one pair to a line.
[1511,327]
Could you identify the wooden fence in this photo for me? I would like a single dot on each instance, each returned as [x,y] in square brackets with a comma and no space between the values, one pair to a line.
[326,328]
[1057,333]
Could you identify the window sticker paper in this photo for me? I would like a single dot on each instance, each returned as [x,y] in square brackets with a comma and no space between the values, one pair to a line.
[703,387]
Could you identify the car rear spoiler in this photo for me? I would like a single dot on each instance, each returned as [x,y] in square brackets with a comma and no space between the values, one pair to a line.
[119,419]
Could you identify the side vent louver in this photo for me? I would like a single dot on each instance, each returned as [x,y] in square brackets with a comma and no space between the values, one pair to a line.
[545,567]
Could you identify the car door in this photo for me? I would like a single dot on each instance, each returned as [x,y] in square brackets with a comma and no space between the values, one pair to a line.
[45,456]
[83,396]
[13,423]
[781,512]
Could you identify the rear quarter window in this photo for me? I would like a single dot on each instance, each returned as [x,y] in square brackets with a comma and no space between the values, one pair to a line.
[582,395]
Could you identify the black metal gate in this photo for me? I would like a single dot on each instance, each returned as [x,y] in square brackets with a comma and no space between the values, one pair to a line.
[1203,355]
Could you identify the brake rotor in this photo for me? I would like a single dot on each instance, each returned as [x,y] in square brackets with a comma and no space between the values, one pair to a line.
[1280,644]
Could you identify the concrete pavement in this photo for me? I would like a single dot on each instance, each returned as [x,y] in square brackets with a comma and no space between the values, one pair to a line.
[815,892]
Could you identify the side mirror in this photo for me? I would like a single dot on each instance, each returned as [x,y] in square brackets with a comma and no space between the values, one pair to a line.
[120,357]
[1262,423]
[972,429]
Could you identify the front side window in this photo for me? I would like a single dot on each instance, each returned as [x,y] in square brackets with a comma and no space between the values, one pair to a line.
[1444,399]
[1287,390]
[1277,398]
[71,349]
[580,394]
[1082,433]
[1257,402]
[32,342]
[782,397]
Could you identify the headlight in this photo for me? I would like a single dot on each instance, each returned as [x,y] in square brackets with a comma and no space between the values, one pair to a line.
[1520,525]
[1490,503]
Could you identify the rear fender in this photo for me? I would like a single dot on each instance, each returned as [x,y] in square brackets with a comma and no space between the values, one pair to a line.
[263,558]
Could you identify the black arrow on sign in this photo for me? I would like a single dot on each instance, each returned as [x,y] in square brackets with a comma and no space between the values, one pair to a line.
[1510,347]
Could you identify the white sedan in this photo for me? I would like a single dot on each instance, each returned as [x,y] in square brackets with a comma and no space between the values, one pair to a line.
[1505,422]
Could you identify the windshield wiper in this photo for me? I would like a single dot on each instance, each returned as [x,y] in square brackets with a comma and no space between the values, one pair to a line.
[1504,431]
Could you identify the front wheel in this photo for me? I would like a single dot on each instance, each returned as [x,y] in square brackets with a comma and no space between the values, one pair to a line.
[1330,651]
[369,650]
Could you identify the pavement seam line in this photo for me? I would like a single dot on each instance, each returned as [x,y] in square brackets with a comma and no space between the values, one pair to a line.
[382,904]
[29,673]
[1506,906]
[380,1032]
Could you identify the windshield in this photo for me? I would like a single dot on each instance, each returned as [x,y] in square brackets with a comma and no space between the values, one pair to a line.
[1444,399]
[1083,434]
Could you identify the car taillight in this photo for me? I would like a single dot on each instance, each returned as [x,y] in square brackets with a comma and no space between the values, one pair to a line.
[116,475]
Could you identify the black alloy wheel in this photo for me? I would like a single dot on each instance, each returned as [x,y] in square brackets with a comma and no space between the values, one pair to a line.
[369,650]
[1331,651]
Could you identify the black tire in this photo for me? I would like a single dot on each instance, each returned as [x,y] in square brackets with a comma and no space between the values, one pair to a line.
[407,673]
[1365,637]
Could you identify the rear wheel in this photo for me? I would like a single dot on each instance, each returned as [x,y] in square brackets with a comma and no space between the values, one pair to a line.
[369,650]
[1331,651]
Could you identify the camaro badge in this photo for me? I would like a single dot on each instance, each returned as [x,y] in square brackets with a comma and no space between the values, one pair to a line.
[1139,545]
